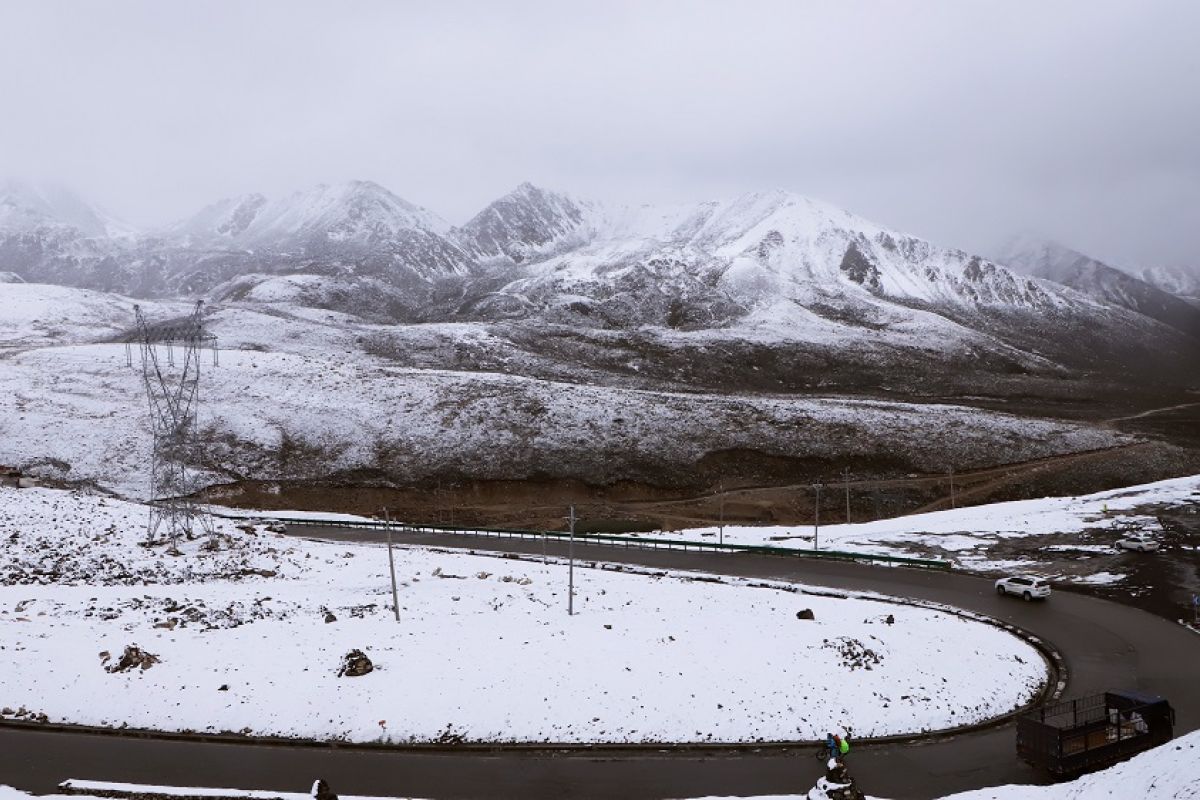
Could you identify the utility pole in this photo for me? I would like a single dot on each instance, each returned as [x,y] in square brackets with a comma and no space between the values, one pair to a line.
[953,504]
[817,522]
[721,525]
[846,479]
[571,568]
[387,523]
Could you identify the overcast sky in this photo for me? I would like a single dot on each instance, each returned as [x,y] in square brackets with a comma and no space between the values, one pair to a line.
[958,121]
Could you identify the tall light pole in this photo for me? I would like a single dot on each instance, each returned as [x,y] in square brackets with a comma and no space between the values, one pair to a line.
[846,479]
[571,568]
[387,523]
[817,521]
[721,525]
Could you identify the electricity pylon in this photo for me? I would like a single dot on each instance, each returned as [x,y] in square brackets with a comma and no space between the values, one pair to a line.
[173,388]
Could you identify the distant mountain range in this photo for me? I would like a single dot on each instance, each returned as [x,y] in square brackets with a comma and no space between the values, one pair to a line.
[1099,281]
[767,266]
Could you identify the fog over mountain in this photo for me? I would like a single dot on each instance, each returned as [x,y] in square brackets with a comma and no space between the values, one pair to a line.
[957,122]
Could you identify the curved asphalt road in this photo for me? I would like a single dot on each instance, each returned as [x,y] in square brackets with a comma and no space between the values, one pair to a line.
[1105,645]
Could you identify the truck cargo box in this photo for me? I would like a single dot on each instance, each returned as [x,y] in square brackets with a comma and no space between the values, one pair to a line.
[1089,733]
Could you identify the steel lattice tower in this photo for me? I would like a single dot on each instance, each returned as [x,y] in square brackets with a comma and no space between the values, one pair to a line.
[171,354]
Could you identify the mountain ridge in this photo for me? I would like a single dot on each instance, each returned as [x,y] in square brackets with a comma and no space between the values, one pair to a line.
[762,264]
[1099,281]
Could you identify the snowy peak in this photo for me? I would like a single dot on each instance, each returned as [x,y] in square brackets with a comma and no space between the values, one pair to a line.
[27,206]
[1039,257]
[526,222]
[225,219]
[361,212]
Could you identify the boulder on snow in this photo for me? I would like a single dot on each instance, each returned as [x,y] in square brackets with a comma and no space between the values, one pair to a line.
[329,617]
[355,664]
[134,657]
[806,614]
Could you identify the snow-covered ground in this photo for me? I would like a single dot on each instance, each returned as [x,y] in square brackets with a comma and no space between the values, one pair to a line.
[484,649]
[966,534]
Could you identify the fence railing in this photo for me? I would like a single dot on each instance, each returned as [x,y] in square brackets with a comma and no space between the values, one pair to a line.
[607,540]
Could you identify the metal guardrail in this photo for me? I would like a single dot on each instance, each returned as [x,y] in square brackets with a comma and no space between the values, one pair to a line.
[610,540]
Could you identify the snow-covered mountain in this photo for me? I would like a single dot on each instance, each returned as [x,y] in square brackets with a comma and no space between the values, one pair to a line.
[353,229]
[705,264]
[359,212]
[767,267]
[1101,282]
[526,223]
[49,234]
[26,207]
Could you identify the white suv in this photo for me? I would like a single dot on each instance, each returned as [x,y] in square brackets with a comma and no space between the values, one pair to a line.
[1025,586]
[1138,541]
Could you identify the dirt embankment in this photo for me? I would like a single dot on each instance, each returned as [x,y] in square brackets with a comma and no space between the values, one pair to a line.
[757,490]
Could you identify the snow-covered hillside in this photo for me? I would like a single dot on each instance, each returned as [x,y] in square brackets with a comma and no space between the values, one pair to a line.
[41,314]
[302,394]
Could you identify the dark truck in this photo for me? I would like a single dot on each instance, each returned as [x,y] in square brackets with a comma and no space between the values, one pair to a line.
[1076,736]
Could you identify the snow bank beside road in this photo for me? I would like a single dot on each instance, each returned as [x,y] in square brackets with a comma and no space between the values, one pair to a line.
[484,650]
[965,532]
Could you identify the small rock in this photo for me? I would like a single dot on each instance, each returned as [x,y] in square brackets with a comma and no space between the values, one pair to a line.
[329,617]
[355,664]
[224,687]
[134,657]
[890,620]
[806,614]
